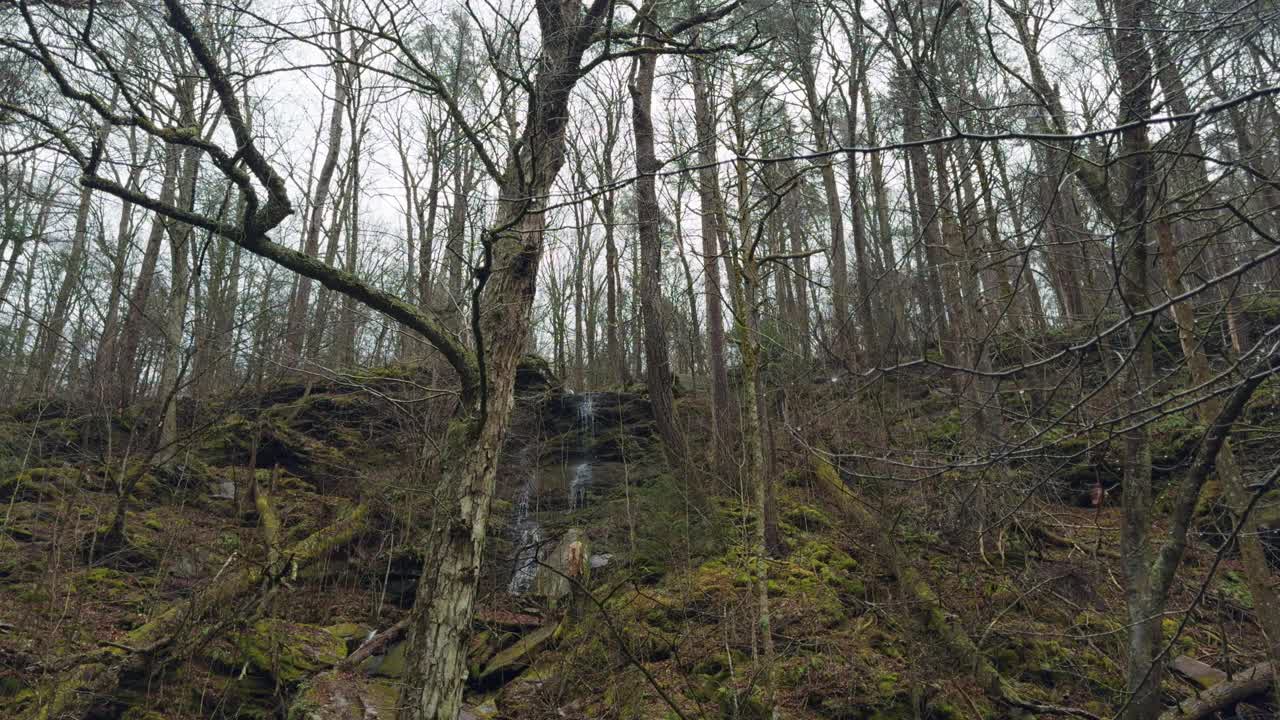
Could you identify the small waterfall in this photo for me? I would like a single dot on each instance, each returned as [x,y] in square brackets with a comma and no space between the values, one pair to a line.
[586,438]
[587,414]
[578,484]
[529,533]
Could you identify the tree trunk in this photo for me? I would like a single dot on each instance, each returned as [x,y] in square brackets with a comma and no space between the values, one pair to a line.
[743,286]
[709,199]
[179,289]
[440,622]
[843,338]
[656,353]
[868,305]
[43,364]
[927,213]
[295,332]
[1143,596]
[128,371]
[895,328]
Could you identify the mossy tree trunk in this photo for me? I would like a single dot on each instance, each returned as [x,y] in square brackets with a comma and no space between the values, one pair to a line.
[744,284]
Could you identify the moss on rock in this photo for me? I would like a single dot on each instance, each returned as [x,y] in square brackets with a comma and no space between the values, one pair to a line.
[288,651]
[38,483]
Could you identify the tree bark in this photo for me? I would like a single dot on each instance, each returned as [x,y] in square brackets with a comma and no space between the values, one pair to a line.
[656,352]
[295,332]
[709,199]
[1143,598]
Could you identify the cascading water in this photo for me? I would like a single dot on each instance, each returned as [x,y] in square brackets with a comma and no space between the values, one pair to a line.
[527,529]
[529,533]
[586,437]
[578,484]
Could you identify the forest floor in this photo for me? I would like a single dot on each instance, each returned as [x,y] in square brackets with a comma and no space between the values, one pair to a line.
[665,626]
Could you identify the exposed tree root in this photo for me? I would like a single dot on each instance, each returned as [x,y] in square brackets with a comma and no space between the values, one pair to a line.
[93,679]
[927,607]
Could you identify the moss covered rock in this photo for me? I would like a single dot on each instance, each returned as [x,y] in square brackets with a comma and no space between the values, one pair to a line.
[38,483]
[343,696]
[289,651]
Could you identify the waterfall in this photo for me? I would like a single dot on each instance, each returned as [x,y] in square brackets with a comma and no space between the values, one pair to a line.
[529,534]
[586,437]
[528,531]
[578,484]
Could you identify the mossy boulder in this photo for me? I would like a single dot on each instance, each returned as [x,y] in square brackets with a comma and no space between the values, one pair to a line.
[569,560]
[38,484]
[288,651]
[807,518]
[533,372]
[344,696]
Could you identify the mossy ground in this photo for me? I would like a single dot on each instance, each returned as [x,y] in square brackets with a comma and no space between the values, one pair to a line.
[678,597]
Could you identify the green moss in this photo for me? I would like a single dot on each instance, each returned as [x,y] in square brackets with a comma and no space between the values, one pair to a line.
[1184,644]
[740,705]
[102,580]
[1233,586]
[38,483]
[807,517]
[391,664]
[152,522]
[289,651]
[349,631]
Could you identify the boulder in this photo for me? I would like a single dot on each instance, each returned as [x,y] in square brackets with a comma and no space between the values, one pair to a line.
[290,652]
[568,560]
[389,664]
[484,710]
[345,696]
[533,373]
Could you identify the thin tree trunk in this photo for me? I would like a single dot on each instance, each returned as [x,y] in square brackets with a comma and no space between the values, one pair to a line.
[709,200]
[657,354]
[295,332]
[842,330]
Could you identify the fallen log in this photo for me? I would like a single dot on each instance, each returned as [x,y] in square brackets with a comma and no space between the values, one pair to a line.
[1243,686]
[90,679]
[376,645]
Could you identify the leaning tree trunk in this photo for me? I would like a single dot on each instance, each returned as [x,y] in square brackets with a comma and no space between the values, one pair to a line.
[295,333]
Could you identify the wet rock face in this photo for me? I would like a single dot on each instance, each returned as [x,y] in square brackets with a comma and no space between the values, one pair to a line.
[609,411]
